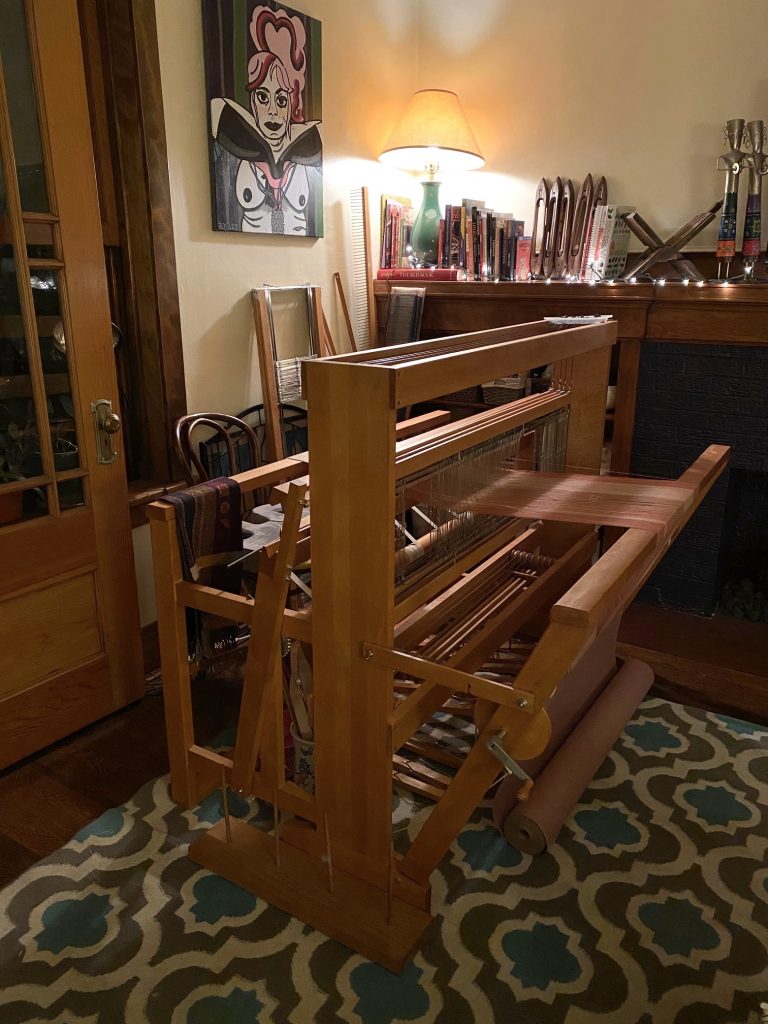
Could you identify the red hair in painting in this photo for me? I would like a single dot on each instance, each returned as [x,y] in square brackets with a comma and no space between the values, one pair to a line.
[280,43]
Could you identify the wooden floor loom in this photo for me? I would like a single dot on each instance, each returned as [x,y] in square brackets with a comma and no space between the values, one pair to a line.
[422,568]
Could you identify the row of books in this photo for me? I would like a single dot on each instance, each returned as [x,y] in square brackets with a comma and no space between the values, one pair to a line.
[478,244]
[397,217]
[479,241]
[475,243]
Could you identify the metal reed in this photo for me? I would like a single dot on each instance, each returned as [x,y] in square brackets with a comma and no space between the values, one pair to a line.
[443,534]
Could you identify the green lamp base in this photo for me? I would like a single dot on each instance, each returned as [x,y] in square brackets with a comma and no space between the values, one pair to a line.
[425,236]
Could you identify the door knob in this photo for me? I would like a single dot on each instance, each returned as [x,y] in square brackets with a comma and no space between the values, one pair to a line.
[111,423]
[107,423]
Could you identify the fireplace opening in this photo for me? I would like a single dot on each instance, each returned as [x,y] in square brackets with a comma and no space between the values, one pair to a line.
[743,562]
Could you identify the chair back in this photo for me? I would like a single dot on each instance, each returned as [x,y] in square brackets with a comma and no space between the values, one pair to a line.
[293,420]
[404,309]
[232,448]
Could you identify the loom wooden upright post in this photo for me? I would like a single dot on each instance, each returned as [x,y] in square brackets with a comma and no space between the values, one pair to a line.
[352,431]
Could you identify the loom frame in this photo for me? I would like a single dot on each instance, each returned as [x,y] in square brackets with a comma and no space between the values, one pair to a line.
[337,855]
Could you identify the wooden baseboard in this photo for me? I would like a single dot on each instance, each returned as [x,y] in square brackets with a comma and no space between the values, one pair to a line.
[719,663]
[150,646]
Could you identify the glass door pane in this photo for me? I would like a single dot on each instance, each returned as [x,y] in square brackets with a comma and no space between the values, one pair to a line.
[19,436]
[27,231]
[25,126]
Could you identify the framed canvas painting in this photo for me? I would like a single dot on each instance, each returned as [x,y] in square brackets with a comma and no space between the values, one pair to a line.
[263,69]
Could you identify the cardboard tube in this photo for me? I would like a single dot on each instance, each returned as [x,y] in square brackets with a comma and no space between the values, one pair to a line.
[533,825]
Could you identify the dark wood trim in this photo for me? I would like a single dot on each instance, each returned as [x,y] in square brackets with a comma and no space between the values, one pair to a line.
[129,135]
[150,645]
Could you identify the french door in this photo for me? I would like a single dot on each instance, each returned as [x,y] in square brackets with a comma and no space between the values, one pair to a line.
[69,632]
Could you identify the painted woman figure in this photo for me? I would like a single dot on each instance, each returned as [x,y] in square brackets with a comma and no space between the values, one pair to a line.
[280,153]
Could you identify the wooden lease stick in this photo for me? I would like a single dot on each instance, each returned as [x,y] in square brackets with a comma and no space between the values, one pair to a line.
[328,338]
[225,801]
[345,310]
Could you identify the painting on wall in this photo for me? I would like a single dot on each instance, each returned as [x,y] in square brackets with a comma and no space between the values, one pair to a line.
[263,71]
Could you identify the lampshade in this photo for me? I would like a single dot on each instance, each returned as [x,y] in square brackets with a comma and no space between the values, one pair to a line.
[433,120]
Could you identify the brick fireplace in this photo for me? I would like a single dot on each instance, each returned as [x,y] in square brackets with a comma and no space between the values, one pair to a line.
[688,396]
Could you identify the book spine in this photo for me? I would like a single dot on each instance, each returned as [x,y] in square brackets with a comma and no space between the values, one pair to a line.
[425,274]
[446,261]
[476,243]
[455,254]
[441,243]
[470,248]
[523,259]
[385,237]
[491,246]
[483,245]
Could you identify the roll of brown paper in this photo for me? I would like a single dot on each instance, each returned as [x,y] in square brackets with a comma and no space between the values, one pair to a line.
[533,825]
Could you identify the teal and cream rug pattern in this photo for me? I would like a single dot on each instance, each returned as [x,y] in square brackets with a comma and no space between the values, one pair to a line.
[652,908]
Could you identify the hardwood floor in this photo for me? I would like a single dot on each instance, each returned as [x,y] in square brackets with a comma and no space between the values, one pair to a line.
[49,797]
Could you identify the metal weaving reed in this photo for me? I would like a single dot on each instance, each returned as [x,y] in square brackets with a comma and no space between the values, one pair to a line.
[288,371]
[539,445]
[288,374]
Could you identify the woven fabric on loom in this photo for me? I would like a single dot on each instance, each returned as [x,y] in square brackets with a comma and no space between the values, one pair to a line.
[565,497]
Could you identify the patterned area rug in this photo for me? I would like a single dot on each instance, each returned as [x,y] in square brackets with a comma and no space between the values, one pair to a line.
[652,908]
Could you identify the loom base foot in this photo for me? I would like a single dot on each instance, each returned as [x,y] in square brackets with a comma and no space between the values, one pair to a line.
[356,914]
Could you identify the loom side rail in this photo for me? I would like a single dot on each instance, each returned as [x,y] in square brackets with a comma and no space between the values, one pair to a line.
[614,579]
[424,370]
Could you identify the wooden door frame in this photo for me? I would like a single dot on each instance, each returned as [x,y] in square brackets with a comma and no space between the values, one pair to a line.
[128,129]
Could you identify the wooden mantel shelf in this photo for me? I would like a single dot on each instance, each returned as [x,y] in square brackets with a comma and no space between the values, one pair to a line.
[735,314]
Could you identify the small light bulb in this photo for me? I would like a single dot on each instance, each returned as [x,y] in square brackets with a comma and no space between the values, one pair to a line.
[593,282]
[548,281]
[633,280]
[700,284]
[686,282]
[661,282]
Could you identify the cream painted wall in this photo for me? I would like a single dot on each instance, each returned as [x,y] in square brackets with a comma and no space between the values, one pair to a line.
[369,70]
[636,91]
[369,67]
[647,112]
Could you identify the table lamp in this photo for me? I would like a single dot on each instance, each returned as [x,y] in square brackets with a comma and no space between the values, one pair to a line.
[432,134]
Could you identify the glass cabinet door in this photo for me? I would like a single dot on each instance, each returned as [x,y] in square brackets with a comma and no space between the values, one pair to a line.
[40,466]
